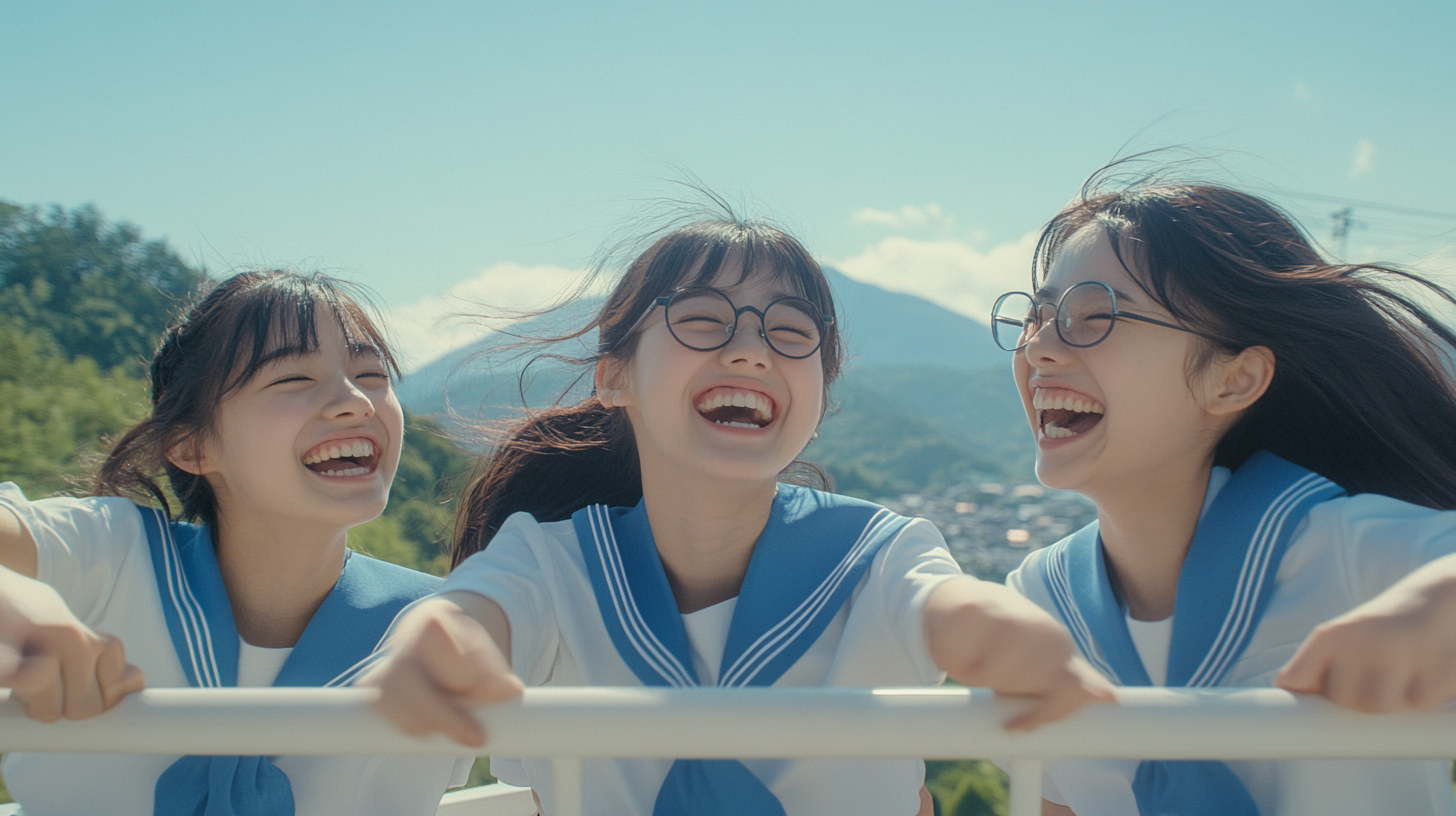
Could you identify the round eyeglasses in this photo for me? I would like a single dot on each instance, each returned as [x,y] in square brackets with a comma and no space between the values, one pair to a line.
[1084,317]
[705,319]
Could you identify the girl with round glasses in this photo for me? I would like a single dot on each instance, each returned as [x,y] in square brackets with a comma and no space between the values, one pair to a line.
[1270,439]
[646,536]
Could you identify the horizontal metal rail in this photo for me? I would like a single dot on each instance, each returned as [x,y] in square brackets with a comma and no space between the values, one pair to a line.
[574,723]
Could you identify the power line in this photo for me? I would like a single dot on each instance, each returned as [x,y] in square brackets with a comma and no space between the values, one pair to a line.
[1374,205]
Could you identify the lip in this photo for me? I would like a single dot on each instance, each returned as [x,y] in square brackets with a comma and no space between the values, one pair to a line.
[747,386]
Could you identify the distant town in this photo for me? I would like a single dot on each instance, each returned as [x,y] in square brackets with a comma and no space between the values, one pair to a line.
[991,526]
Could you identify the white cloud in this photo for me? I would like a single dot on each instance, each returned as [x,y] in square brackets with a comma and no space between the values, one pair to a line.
[907,216]
[952,273]
[1364,154]
[433,326]
[1302,91]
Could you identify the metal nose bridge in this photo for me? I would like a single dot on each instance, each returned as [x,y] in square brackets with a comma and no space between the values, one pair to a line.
[732,329]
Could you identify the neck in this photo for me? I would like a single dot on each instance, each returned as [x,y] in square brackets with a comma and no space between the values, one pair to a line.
[1147,528]
[705,532]
[277,574]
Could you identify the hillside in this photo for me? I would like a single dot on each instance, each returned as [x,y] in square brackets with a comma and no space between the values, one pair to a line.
[926,398]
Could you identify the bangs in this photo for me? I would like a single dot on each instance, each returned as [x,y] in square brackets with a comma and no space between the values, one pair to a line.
[278,318]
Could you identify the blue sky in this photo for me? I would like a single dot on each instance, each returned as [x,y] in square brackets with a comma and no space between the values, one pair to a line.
[443,150]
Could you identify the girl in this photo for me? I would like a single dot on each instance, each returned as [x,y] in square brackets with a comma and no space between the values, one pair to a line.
[1269,441]
[275,420]
[643,537]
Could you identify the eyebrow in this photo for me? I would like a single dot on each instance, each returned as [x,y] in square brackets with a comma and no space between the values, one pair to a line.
[285,352]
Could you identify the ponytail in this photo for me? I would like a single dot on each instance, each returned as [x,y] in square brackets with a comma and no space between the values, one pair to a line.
[550,465]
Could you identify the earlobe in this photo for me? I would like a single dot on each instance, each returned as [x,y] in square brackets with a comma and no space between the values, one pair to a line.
[1243,380]
[607,381]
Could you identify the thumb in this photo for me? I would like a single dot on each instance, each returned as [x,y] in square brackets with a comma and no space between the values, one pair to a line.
[1304,673]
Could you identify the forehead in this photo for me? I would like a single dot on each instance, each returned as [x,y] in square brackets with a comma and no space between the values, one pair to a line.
[1087,256]
[761,282]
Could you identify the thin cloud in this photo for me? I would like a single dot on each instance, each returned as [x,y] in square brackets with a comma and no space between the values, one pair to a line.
[953,274]
[1364,154]
[1302,92]
[434,326]
[907,216]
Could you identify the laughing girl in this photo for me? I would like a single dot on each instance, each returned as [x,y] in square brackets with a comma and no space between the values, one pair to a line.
[1270,440]
[643,537]
[275,421]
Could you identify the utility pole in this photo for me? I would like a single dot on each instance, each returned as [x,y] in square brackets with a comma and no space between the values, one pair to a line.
[1342,221]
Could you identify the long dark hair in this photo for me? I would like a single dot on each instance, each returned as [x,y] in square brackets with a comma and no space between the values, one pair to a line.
[557,461]
[1361,393]
[211,351]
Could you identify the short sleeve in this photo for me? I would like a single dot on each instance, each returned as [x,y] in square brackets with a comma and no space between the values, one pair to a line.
[909,569]
[512,571]
[81,544]
[1383,539]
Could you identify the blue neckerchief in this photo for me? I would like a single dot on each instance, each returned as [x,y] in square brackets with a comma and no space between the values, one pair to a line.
[337,642]
[807,561]
[1224,587]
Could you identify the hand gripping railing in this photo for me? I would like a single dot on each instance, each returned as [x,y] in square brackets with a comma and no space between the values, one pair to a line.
[570,724]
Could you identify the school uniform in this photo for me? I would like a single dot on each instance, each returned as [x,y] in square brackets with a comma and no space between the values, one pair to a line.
[124,570]
[1297,554]
[835,587]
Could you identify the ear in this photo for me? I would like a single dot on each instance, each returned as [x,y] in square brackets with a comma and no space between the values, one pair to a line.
[189,456]
[610,380]
[1237,383]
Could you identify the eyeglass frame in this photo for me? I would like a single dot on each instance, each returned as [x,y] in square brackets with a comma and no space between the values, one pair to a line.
[1041,324]
[825,320]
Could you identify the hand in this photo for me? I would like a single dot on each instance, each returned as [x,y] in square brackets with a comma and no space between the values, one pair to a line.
[53,663]
[983,634]
[1394,652]
[441,662]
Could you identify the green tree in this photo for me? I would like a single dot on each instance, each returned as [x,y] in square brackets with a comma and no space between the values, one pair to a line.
[95,287]
[970,787]
[54,412]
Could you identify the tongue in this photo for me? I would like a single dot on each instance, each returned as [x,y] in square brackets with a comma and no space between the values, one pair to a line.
[1074,421]
[333,464]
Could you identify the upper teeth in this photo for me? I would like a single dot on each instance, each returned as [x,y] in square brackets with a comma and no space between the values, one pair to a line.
[1057,402]
[760,405]
[356,448]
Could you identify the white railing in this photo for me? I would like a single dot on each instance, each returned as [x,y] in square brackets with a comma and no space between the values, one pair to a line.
[569,724]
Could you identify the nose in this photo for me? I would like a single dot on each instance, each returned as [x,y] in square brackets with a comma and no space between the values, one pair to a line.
[350,400]
[1045,343]
[749,344]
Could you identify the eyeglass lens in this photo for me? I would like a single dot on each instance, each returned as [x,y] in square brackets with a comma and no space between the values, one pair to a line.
[705,319]
[1084,316]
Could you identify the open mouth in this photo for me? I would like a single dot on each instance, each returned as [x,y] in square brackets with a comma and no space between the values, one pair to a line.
[1063,417]
[343,457]
[735,408]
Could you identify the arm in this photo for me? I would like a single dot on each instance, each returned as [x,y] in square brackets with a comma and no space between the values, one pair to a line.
[447,654]
[984,634]
[51,661]
[1393,652]
[17,547]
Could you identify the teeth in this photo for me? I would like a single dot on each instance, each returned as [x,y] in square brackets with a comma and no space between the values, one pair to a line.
[738,425]
[362,447]
[1055,431]
[760,406]
[1057,402]
[353,471]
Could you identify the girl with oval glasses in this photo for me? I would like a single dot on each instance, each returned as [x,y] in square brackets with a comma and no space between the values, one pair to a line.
[645,537]
[1270,439]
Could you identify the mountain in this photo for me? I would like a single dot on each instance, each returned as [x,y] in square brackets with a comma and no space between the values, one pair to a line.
[926,399]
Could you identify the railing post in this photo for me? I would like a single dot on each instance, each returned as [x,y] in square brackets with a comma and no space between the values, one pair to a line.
[1026,787]
[566,775]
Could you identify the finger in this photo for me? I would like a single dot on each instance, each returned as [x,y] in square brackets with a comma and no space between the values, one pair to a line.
[1372,690]
[1306,673]
[464,661]
[114,676]
[1049,708]
[82,695]
[416,706]
[37,684]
